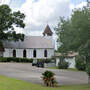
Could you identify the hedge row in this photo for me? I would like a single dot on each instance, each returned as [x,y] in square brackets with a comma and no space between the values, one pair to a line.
[44,60]
[63,65]
[13,59]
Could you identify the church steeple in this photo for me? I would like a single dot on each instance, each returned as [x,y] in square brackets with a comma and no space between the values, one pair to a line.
[47,31]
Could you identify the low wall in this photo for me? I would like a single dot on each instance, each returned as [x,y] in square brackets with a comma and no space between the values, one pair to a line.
[71,62]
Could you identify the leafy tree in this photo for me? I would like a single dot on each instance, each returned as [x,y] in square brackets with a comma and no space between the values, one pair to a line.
[74,33]
[8,20]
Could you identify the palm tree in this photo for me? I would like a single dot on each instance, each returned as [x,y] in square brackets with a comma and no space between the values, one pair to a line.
[49,79]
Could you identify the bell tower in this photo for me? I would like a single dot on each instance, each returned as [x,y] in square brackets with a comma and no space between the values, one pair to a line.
[47,31]
[48,34]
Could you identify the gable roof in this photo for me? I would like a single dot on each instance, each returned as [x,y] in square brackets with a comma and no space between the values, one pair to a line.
[30,42]
[73,54]
[47,31]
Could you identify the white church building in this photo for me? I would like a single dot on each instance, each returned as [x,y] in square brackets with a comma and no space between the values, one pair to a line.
[39,47]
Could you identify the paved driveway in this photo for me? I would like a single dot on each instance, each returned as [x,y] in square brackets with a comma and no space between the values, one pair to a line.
[28,73]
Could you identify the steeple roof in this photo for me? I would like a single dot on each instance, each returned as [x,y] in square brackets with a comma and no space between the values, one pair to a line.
[47,31]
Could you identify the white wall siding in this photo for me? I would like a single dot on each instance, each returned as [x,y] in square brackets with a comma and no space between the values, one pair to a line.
[7,52]
[40,53]
[29,53]
[57,61]
[19,53]
[50,53]
[71,62]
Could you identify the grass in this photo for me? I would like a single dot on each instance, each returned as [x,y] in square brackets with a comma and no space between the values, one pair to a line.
[52,67]
[72,69]
[69,69]
[13,84]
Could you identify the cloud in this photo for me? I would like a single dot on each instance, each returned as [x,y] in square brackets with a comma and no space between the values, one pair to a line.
[16,3]
[4,2]
[39,13]
[80,5]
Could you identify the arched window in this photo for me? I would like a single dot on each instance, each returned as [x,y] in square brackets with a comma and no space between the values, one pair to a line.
[45,53]
[34,53]
[24,53]
[14,53]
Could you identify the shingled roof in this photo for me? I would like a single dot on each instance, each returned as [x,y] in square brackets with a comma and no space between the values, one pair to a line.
[30,42]
[47,31]
[73,54]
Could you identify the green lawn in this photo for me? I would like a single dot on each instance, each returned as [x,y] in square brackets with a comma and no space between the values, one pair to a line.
[13,84]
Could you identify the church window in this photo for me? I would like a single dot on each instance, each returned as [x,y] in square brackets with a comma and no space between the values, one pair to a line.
[14,53]
[45,53]
[34,53]
[24,53]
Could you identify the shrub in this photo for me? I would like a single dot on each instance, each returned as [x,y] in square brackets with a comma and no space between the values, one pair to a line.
[3,59]
[47,60]
[48,78]
[13,59]
[63,65]
[80,63]
[44,60]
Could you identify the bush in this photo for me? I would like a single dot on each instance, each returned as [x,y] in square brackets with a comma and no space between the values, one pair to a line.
[63,65]
[3,59]
[88,69]
[48,78]
[47,60]
[80,63]
[44,60]
[13,59]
